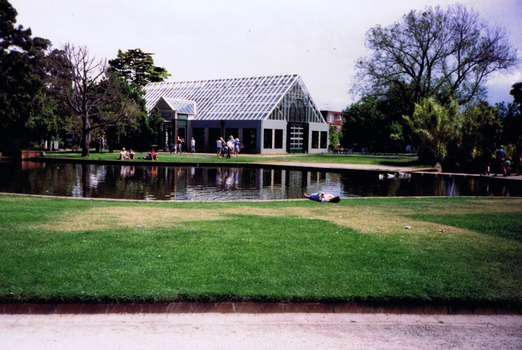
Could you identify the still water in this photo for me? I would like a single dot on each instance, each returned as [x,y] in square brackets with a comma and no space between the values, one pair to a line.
[201,183]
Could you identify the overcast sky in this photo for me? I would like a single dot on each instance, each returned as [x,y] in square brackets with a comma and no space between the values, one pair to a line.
[207,39]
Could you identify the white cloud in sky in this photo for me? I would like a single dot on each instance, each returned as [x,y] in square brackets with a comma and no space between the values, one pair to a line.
[206,39]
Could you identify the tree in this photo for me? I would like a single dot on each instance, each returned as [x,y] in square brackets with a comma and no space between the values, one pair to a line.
[511,116]
[137,67]
[445,55]
[435,129]
[516,92]
[92,94]
[334,137]
[376,123]
[481,132]
[21,80]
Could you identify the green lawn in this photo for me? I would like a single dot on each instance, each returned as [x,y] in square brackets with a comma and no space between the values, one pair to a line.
[358,250]
[397,160]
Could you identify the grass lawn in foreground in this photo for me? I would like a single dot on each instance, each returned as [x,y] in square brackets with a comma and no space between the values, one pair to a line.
[99,251]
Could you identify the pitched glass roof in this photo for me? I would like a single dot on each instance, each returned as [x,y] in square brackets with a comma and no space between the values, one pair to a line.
[253,98]
[181,106]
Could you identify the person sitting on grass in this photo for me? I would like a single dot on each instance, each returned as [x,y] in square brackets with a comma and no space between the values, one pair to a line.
[152,155]
[131,154]
[323,197]
[124,154]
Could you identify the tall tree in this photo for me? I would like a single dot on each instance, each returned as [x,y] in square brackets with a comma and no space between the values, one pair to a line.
[137,67]
[92,94]
[21,80]
[446,55]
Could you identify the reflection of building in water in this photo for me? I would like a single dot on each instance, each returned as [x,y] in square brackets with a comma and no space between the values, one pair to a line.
[272,183]
[291,183]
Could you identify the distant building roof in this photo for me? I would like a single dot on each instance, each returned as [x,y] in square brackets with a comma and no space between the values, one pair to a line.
[281,97]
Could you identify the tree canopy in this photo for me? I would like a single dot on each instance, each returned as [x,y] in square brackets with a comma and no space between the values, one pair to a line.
[95,95]
[445,55]
[22,63]
[137,67]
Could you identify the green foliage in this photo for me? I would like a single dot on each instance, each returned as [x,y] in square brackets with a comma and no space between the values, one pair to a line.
[481,132]
[137,67]
[512,120]
[21,79]
[334,137]
[435,129]
[376,123]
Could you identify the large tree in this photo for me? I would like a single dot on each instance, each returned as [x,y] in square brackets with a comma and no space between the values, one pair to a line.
[446,55]
[22,76]
[136,69]
[94,95]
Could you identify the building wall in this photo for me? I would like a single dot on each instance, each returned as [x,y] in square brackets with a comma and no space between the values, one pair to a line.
[323,130]
[271,136]
[334,118]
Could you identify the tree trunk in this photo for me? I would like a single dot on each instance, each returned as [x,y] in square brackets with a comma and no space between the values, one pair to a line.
[86,136]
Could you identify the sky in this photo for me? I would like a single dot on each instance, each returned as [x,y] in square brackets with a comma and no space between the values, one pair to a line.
[212,39]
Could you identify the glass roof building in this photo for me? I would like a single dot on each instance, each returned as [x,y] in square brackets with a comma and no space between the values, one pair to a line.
[271,114]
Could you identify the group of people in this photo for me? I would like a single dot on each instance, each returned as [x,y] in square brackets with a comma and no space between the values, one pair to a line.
[228,149]
[180,145]
[151,155]
[127,155]
[504,163]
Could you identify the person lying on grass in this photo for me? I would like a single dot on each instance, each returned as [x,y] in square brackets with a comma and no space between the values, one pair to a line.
[323,197]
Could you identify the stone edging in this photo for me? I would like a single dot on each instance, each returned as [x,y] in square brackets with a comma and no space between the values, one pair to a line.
[253,308]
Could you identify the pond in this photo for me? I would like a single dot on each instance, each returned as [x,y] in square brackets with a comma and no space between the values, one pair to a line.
[210,183]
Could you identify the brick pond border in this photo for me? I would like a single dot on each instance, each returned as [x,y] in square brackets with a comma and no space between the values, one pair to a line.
[254,308]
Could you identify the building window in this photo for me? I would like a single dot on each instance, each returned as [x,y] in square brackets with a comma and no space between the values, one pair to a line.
[249,139]
[278,139]
[324,139]
[330,118]
[199,137]
[213,135]
[315,139]
[267,139]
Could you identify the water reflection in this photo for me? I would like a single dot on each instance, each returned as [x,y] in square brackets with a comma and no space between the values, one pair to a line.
[153,182]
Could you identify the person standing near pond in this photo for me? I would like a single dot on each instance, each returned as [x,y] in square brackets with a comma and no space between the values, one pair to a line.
[192,145]
[180,144]
[230,146]
[219,146]
[501,159]
[237,147]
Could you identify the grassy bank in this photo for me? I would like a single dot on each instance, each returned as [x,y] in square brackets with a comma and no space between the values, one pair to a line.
[397,160]
[360,249]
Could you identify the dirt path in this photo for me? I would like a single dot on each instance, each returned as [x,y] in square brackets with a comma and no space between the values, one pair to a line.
[266,331]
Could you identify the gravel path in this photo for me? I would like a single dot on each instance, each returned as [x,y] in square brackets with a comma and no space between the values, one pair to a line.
[265,331]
